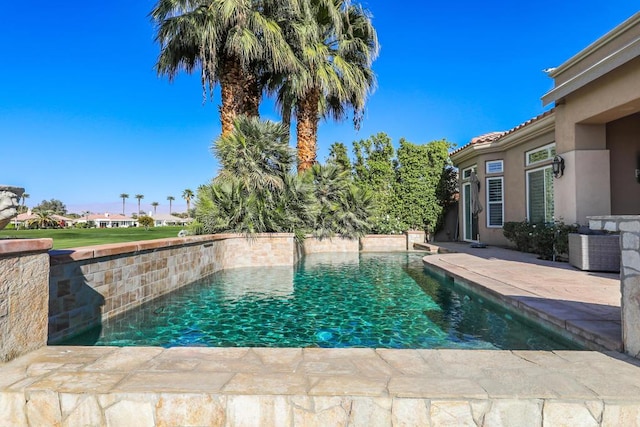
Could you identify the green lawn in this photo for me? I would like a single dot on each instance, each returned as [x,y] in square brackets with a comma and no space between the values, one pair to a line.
[76,237]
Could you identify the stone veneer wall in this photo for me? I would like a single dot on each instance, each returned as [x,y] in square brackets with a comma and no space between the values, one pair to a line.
[383,243]
[24,272]
[629,228]
[311,245]
[91,284]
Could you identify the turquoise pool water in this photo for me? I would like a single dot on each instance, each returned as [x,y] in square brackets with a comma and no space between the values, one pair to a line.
[336,300]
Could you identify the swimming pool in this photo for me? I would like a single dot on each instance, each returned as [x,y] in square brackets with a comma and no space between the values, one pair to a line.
[328,300]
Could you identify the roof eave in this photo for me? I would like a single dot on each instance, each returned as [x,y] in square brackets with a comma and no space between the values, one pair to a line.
[533,130]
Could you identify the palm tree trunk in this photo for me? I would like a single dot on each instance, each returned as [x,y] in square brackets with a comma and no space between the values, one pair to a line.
[232,91]
[307,129]
[252,96]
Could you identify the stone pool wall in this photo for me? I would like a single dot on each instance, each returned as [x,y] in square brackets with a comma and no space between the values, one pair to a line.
[91,284]
[24,273]
[629,228]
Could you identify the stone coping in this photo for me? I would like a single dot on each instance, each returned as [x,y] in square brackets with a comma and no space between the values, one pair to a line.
[62,256]
[314,386]
[16,246]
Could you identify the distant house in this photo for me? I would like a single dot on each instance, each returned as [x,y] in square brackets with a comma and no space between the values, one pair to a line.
[108,220]
[579,159]
[23,219]
[161,220]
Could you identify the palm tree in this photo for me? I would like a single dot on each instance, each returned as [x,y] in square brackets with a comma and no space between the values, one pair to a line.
[139,197]
[155,206]
[170,199]
[43,219]
[257,153]
[123,196]
[231,41]
[255,191]
[343,208]
[23,208]
[187,195]
[336,52]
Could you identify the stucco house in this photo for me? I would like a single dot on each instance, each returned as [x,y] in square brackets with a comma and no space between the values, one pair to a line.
[108,220]
[162,220]
[580,158]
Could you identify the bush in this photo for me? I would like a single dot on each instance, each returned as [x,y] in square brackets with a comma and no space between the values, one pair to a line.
[146,221]
[548,240]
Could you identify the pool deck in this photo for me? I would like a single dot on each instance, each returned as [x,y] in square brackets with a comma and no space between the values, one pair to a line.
[362,387]
[584,305]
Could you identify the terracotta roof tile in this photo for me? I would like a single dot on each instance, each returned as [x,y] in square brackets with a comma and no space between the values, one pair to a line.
[495,136]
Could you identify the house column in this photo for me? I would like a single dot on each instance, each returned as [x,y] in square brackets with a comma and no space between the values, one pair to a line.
[585,188]
[629,228]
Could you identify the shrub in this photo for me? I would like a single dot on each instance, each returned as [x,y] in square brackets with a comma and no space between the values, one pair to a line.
[548,240]
[146,221]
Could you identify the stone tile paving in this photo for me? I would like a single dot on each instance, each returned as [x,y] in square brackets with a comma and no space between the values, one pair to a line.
[583,305]
[111,386]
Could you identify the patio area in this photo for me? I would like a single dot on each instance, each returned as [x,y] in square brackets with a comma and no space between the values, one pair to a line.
[582,305]
[374,387]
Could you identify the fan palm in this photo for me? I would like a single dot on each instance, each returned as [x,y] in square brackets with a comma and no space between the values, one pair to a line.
[255,191]
[139,197]
[43,219]
[124,196]
[230,41]
[257,153]
[343,208]
[187,195]
[170,199]
[336,52]
[155,206]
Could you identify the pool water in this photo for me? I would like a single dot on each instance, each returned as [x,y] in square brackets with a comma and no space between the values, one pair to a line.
[327,300]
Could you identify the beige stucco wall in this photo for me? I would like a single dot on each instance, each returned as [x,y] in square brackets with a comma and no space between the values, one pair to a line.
[623,142]
[585,123]
[515,191]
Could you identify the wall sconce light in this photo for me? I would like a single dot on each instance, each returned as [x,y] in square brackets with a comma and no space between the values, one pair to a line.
[558,166]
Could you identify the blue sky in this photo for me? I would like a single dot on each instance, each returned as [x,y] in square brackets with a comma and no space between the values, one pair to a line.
[83,116]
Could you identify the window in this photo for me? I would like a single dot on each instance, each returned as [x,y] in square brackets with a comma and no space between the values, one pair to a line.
[540,154]
[466,173]
[495,205]
[540,195]
[495,166]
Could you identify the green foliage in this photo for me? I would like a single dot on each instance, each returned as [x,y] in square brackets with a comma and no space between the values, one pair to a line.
[255,192]
[338,156]
[410,191]
[43,219]
[375,173]
[146,221]
[420,169]
[547,240]
[342,208]
[54,206]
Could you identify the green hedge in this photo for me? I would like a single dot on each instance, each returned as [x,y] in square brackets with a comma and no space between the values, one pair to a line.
[545,239]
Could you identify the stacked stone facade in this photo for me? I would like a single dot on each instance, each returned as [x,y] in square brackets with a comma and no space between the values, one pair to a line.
[629,228]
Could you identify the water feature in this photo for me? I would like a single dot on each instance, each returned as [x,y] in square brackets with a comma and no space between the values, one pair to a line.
[335,300]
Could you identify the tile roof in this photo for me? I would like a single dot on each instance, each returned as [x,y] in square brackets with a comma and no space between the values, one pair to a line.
[495,136]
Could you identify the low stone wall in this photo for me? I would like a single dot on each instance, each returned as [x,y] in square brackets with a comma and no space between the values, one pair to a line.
[629,228]
[383,243]
[24,272]
[91,284]
[312,245]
